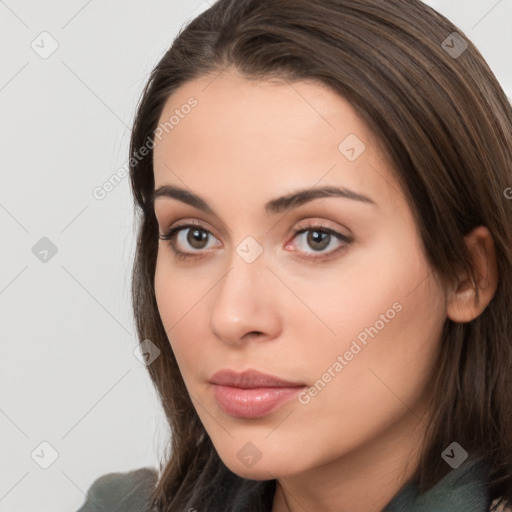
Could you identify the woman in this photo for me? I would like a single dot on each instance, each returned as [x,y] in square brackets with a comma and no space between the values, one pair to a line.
[324,263]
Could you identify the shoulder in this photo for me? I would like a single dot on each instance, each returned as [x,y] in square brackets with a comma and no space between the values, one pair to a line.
[120,492]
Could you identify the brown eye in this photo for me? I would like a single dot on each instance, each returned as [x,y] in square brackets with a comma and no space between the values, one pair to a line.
[197,238]
[318,240]
[190,240]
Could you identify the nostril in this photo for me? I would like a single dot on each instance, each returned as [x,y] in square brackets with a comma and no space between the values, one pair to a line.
[253,334]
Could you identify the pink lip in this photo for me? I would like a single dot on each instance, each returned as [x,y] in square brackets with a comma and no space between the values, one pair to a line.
[251,394]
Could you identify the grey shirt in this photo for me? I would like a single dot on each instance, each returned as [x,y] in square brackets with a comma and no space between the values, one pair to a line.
[121,492]
[461,490]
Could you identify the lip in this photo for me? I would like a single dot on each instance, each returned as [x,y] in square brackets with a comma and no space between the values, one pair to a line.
[251,394]
[250,379]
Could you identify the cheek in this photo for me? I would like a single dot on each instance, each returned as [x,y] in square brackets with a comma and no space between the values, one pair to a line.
[369,289]
[387,313]
[178,296]
[179,290]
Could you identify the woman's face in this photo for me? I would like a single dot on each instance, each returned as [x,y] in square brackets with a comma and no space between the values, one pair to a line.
[347,310]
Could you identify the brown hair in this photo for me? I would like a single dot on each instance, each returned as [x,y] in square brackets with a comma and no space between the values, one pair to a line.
[445,124]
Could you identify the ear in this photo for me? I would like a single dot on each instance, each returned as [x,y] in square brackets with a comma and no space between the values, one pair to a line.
[462,304]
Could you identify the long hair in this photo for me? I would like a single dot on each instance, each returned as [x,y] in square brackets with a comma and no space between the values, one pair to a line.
[444,122]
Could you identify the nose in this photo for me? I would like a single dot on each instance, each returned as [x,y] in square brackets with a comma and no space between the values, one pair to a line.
[246,304]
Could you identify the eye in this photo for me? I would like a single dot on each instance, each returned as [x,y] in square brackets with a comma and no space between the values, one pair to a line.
[189,240]
[318,240]
[193,240]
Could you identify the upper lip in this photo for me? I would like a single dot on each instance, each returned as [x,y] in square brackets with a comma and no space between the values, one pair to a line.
[250,379]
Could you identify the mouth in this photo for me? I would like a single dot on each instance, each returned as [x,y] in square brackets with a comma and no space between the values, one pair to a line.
[251,394]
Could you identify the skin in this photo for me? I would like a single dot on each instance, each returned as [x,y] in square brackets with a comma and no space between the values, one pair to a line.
[353,445]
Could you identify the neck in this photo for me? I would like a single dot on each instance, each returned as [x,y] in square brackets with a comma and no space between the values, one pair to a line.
[365,480]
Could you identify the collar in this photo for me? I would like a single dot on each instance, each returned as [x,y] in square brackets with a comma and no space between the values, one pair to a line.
[462,490]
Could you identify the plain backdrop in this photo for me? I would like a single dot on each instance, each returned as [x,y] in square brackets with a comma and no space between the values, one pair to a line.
[74,397]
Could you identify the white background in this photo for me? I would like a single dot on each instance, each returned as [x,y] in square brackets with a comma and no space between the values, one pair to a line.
[68,375]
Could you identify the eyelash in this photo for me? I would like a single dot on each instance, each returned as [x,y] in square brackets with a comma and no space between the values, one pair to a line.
[172,233]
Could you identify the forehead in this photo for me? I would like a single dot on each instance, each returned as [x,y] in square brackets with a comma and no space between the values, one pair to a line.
[263,134]
[305,109]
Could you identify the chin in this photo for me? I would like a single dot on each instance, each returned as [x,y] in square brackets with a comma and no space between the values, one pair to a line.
[261,470]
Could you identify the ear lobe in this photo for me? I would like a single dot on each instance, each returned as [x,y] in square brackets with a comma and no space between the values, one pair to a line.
[464,302]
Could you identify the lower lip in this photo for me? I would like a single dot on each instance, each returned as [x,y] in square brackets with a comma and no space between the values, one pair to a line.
[254,402]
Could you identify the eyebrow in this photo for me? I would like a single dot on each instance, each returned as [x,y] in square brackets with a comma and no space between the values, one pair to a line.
[274,206]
